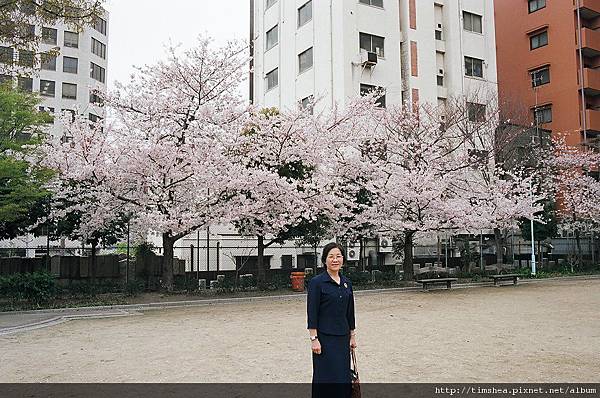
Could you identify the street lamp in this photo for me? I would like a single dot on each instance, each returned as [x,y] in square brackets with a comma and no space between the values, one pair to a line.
[536,81]
[532,237]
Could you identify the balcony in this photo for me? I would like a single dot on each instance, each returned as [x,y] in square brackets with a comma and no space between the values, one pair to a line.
[590,42]
[591,81]
[593,120]
[588,9]
[440,46]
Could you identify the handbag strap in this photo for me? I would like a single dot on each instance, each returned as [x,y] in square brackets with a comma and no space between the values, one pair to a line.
[354,361]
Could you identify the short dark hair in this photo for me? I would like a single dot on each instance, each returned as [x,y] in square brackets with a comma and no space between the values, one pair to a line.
[330,246]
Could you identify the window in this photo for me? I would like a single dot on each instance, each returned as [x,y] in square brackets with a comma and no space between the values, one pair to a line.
[272,37]
[95,98]
[473,67]
[272,79]
[440,80]
[98,48]
[28,8]
[49,36]
[94,118]
[305,13]
[70,65]
[543,114]
[270,3]
[25,83]
[307,103]
[69,91]
[540,76]
[100,25]
[475,112]
[26,58]
[305,60]
[539,40]
[70,112]
[97,72]
[438,34]
[376,3]
[535,5]
[26,32]
[71,39]
[47,88]
[367,89]
[371,43]
[48,62]
[6,55]
[472,22]
[5,79]
[46,109]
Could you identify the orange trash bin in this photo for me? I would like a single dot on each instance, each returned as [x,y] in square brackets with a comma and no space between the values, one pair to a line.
[297,281]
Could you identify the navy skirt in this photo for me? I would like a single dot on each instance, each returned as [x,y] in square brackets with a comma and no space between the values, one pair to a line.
[331,368]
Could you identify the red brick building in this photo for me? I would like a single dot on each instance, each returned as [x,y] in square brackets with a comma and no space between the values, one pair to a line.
[548,55]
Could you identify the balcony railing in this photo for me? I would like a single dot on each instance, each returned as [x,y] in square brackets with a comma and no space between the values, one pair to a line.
[589,9]
[590,40]
[591,81]
[593,120]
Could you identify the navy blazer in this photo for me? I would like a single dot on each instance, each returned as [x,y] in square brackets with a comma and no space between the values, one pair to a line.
[330,306]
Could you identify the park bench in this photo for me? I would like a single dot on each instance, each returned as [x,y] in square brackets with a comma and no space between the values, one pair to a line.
[447,281]
[505,277]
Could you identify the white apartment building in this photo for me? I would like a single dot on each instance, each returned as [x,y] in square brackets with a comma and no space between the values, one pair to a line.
[68,81]
[421,50]
[65,83]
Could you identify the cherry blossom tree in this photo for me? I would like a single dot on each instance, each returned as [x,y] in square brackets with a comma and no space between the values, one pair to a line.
[287,188]
[576,186]
[161,157]
[420,176]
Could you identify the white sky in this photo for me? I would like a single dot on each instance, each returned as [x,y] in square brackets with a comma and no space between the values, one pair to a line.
[140,29]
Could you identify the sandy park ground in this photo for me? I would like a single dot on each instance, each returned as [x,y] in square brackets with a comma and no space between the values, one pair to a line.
[538,332]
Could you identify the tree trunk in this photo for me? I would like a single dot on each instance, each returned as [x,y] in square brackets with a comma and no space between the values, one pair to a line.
[260,261]
[499,250]
[167,262]
[93,262]
[579,251]
[408,256]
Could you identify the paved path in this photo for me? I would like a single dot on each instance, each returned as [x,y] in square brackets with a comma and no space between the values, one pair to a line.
[23,321]
[546,331]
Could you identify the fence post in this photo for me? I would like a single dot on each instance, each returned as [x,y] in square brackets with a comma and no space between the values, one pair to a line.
[191,258]
[218,254]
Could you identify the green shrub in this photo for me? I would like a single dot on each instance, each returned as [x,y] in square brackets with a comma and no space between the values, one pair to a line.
[37,288]
[359,278]
[83,289]
[133,287]
[277,282]
[386,277]
[225,284]
[246,282]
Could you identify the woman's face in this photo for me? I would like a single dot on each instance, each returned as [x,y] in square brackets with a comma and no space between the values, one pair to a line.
[334,260]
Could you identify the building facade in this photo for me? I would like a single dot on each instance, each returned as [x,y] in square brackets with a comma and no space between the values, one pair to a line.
[420,51]
[548,62]
[66,82]
[69,80]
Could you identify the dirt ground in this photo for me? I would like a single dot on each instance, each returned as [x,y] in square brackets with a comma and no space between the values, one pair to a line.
[539,332]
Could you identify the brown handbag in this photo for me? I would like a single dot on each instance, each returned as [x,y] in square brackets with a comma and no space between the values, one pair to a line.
[355,379]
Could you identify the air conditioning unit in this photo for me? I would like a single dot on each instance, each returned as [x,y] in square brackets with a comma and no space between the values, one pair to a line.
[369,59]
[385,244]
[353,252]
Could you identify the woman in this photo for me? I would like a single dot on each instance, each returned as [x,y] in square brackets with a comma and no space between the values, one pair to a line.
[331,324]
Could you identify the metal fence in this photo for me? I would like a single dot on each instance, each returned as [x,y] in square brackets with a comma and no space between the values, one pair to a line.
[216,256]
